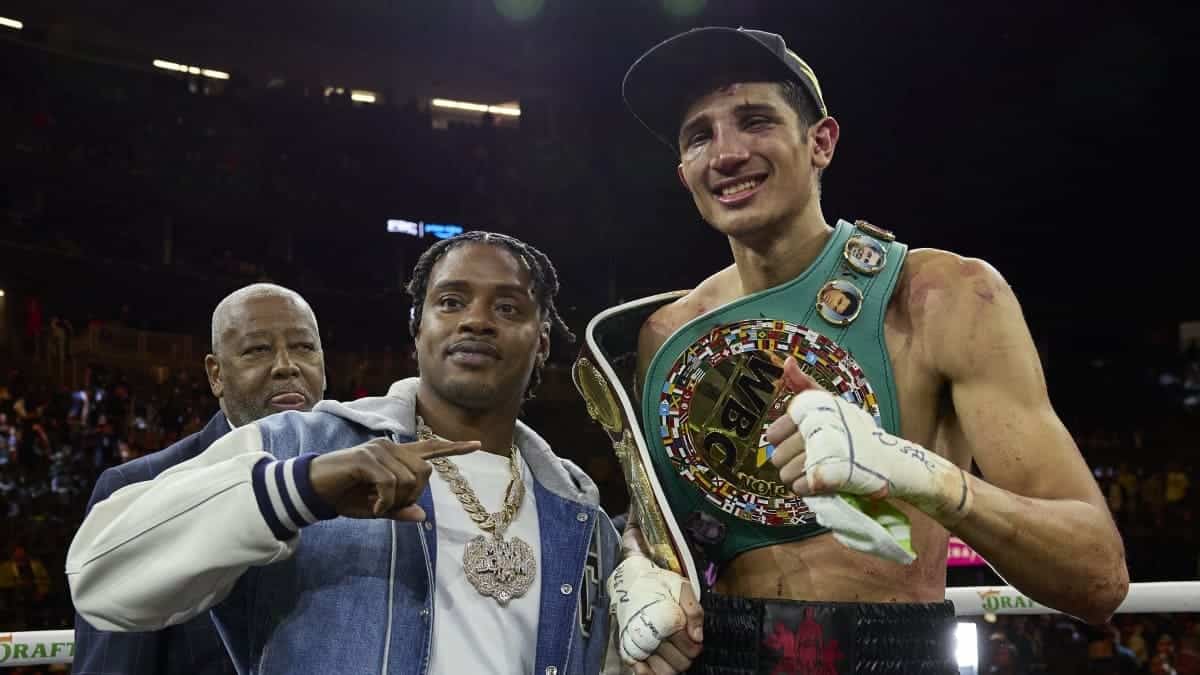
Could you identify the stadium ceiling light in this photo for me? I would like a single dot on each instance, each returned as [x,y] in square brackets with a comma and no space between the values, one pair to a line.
[475,107]
[191,70]
[458,105]
[11,23]
[167,65]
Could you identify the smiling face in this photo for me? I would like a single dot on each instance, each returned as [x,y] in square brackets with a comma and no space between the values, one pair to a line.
[481,329]
[268,357]
[748,160]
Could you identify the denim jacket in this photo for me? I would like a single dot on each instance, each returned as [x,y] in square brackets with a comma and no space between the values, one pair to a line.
[295,589]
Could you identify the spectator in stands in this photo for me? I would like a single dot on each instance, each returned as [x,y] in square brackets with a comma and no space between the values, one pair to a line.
[1128,481]
[1187,660]
[1164,654]
[266,356]
[33,327]
[1177,487]
[1161,665]
[101,439]
[1137,643]
[24,583]
[1115,494]
[1065,648]
[1154,497]
[1106,654]
[1025,638]
[1002,656]
[8,439]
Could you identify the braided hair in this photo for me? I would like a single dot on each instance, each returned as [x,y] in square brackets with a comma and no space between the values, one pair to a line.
[545,284]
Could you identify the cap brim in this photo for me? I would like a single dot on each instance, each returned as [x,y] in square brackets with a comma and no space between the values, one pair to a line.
[658,86]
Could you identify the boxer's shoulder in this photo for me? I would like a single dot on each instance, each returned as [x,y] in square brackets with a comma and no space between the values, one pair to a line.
[934,280]
[709,294]
[946,299]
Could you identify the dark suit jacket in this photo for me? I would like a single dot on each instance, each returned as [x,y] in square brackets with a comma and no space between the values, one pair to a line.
[192,648]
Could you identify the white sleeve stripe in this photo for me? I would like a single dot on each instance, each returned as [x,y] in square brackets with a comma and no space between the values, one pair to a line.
[289,478]
[281,513]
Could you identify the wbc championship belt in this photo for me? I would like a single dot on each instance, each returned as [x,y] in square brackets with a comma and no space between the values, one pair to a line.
[697,451]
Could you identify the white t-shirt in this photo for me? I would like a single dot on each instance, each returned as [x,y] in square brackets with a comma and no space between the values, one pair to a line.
[473,633]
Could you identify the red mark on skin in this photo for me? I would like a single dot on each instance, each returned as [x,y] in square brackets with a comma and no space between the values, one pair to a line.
[983,289]
[919,291]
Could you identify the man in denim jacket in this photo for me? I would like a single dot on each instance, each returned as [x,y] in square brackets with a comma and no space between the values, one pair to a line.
[492,563]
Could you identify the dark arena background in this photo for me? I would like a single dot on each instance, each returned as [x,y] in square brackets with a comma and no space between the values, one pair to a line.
[156,156]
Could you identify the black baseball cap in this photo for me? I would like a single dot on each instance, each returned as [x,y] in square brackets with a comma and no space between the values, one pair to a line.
[660,84]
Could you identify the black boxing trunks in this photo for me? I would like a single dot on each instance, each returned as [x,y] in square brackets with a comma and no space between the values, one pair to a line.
[750,636]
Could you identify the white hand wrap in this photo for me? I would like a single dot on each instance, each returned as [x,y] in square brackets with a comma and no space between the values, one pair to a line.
[645,599]
[848,453]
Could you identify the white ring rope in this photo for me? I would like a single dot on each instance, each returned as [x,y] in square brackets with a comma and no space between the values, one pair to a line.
[36,647]
[39,647]
[1143,598]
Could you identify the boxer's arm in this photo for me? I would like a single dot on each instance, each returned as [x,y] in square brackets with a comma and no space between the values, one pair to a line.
[1038,516]
[159,552]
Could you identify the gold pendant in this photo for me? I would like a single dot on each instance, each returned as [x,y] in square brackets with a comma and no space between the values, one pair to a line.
[498,568]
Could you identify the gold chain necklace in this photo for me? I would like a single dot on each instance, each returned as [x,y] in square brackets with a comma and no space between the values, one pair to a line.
[497,567]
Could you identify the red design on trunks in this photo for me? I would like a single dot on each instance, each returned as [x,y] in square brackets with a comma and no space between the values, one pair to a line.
[805,650]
